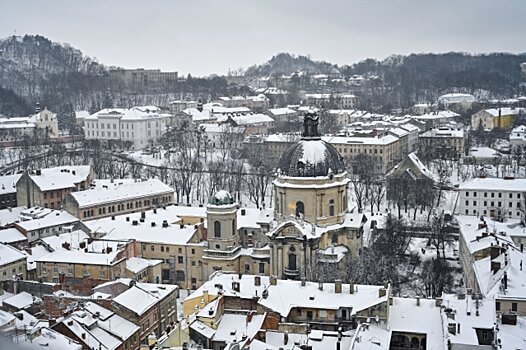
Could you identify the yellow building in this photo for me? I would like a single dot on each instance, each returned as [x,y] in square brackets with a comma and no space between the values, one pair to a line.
[495,118]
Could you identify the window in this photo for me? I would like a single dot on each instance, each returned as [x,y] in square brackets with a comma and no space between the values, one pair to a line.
[162,248]
[331,207]
[217,229]
[513,306]
[485,203]
[500,194]
[300,208]
[497,305]
[180,260]
[309,315]
[474,202]
[467,202]
[152,248]
[261,267]
[492,195]
[485,194]
[474,194]
[467,194]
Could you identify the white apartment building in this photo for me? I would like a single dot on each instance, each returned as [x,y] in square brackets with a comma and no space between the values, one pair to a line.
[518,139]
[138,125]
[493,197]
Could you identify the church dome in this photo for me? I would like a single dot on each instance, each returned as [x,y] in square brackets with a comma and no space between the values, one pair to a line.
[311,156]
[221,198]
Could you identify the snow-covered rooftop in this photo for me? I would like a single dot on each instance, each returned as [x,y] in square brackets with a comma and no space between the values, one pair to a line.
[117,192]
[9,254]
[8,183]
[11,235]
[142,296]
[56,218]
[288,294]
[494,184]
[61,177]
[47,338]
[136,264]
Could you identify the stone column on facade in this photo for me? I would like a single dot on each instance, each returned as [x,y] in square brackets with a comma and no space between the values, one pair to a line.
[280,262]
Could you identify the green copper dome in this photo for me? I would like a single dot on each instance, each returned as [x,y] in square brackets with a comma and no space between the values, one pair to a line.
[221,198]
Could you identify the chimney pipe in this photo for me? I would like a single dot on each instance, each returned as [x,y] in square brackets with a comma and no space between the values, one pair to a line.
[338,286]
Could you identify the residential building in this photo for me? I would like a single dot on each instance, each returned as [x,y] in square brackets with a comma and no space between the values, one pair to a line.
[258,103]
[8,190]
[518,140]
[144,270]
[497,198]
[178,106]
[12,263]
[283,116]
[47,223]
[44,338]
[492,264]
[495,118]
[443,142]
[49,187]
[115,197]
[252,123]
[152,307]
[144,77]
[137,126]
[385,149]
[96,327]
[99,260]
[434,120]
[339,101]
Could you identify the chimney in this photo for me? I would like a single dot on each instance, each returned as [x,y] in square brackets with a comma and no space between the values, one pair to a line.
[303,281]
[338,286]
[235,286]
[351,287]
[243,212]
[458,328]
[143,215]
[382,292]
[200,106]
[285,338]
[320,285]
[495,251]
[257,280]
[155,210]
[39,172]
[417,301]
[438,302]
[249,317]
[505,280]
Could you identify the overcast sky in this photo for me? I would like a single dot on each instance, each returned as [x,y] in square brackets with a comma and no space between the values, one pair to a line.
[211,36]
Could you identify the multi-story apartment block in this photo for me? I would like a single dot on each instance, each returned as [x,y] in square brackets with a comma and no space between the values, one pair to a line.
[443,142]
[385,149]
[49,187]
[115,197]
[493,197]
[339,101]
[144,77]
[138,125]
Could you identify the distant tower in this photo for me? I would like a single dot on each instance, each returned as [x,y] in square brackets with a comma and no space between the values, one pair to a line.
[199,105]
[222,222]
[37,107]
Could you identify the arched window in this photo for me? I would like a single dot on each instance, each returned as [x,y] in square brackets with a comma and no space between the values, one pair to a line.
[234,228]
[300,208]
[292,261]
[331,207]
[217,229]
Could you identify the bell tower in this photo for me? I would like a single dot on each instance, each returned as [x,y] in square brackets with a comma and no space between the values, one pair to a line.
[221,213]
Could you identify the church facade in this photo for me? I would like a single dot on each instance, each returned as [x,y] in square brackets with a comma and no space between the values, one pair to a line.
[312,236]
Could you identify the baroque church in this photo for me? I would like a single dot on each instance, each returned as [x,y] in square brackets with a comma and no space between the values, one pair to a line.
[311,231]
